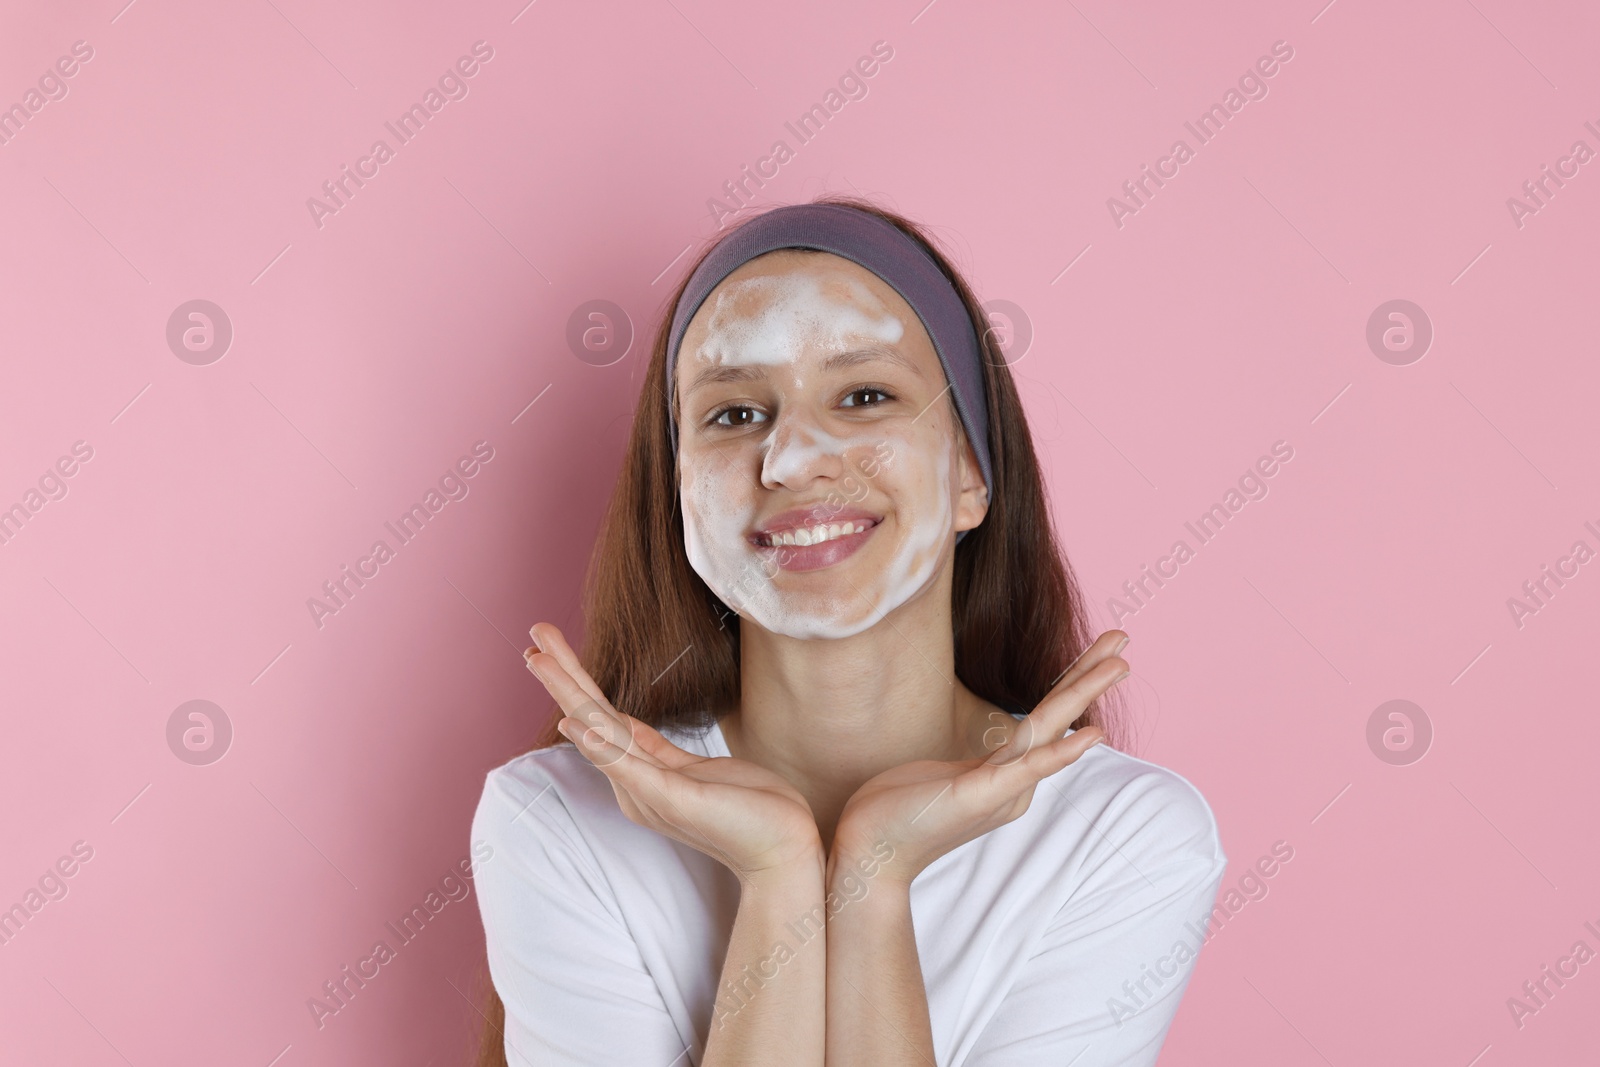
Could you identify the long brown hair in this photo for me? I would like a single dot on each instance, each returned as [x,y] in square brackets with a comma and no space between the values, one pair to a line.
[665,649]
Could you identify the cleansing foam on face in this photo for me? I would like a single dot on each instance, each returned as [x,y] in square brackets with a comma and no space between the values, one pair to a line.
[789,324]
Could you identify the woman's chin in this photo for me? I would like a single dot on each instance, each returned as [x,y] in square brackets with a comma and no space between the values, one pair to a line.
[825,610]
[821,626]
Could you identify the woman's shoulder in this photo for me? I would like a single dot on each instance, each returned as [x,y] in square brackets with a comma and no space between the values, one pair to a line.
[559,768]
[1139,811]
[547,801]
[559,836]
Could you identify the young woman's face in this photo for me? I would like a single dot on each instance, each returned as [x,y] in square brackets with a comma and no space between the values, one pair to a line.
[824,471]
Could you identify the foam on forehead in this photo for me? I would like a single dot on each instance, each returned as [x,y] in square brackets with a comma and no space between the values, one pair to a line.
[771,319]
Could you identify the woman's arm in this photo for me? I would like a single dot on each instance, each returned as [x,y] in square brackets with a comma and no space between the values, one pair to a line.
[577,990]
[770,1000]
[877,1006]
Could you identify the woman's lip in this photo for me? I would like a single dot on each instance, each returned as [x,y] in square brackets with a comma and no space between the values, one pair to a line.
[815,557]
[768,538]
[820,514]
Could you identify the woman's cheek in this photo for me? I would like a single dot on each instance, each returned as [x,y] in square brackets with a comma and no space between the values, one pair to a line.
[719,508]
[701,526]
[926,480]
[935,487]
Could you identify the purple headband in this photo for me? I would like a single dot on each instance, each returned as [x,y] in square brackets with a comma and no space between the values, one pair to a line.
[886,251]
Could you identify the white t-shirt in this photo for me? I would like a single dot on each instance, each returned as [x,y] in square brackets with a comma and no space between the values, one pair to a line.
[1065,936]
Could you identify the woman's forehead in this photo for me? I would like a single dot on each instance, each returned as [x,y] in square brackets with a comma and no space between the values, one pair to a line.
[785,304]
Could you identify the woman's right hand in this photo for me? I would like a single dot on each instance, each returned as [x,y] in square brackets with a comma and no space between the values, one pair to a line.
[747,817]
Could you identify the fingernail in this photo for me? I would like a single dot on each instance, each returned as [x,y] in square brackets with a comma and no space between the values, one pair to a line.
[1120,677]
[535,637]
[1121,645]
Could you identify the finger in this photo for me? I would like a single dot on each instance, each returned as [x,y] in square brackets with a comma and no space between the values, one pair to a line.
[1000,783]
[1110,643]
[650,741]
[602,747]
[561,685]
[629,773]
[554,643]
[1056,756]
[1057,711]
[1063,704]
[577,704]
[547,638]
[650,786]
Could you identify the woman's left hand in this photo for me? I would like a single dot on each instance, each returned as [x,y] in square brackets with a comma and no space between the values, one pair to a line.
[927,808]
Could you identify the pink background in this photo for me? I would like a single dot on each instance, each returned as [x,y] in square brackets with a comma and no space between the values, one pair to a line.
[369,354]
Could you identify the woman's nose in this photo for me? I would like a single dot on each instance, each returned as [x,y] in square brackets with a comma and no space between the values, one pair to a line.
[798,452]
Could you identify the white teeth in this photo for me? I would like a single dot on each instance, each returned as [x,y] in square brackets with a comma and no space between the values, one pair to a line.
[815,535]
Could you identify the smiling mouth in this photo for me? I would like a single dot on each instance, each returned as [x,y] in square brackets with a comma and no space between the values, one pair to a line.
[821,533]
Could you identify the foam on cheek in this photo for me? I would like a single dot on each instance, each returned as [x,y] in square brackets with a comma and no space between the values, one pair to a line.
[715,516]
[923,494]
[719,507]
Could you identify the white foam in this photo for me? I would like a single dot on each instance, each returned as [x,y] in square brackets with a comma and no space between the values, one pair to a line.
[798,312]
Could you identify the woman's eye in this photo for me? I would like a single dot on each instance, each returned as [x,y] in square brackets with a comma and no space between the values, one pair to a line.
[851,399]
[737,416]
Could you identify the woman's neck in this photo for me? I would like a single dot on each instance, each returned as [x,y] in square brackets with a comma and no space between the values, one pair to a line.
[830,714]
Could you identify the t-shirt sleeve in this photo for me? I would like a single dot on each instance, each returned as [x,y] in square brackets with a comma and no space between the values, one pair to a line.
[575,987]
[1104,983]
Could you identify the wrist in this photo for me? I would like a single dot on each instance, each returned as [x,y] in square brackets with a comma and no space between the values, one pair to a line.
[804,874]
[875,864]
[856,903]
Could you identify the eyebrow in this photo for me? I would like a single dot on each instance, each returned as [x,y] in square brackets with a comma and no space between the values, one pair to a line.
[838,361]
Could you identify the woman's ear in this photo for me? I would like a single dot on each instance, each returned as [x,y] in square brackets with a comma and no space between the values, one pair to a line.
[972,498]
